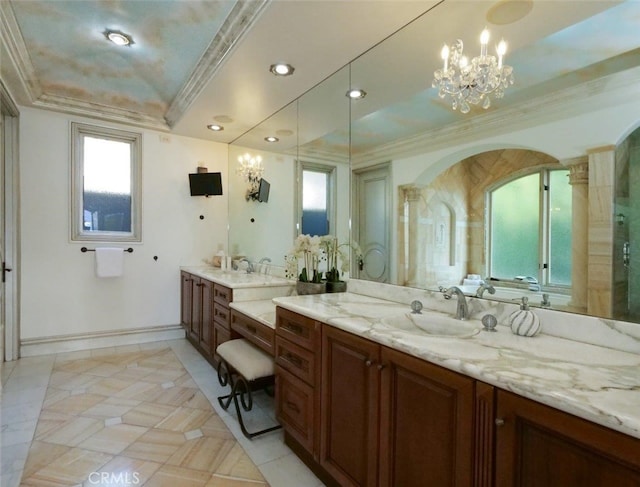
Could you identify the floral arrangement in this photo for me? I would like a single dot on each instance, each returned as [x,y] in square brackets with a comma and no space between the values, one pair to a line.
[337,256]
[307,249]
[311,251]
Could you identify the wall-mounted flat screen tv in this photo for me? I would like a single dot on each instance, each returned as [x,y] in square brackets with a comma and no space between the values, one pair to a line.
[205,184]
[263,191]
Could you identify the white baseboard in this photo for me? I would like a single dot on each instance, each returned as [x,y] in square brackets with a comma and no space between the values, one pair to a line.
[71,343]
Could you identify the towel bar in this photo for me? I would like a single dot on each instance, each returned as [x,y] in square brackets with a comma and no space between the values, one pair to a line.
[84,249]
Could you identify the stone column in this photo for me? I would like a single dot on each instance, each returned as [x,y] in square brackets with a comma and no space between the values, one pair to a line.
[601,215]
[412,195]
[579,181]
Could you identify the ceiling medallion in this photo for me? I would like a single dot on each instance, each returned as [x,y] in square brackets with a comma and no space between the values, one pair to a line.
[469,83]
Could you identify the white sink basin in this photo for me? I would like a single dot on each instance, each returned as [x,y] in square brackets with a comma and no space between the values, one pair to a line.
[433,324]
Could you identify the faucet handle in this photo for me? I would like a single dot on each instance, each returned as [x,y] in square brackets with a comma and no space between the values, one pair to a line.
[416,307]
[489,322]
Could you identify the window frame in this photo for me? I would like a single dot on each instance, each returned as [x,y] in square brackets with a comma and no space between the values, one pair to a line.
[544,236]
[78,133]
[331,171]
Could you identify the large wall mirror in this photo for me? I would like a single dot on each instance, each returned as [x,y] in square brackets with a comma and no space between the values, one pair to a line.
[438,197]
[307,169]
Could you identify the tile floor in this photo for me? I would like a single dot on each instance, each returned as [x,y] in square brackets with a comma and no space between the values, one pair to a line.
[132,416]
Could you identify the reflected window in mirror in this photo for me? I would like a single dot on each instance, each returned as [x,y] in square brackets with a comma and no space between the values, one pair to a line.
[106,184]
[316,194]
[530,228]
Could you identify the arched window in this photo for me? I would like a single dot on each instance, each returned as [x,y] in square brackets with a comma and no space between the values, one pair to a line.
[530,228]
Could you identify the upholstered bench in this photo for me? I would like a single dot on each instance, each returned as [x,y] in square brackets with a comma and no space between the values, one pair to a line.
[246,369]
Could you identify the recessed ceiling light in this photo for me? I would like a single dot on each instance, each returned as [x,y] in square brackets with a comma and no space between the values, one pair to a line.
[356,93]
[282,69]
[215,127]
[118,38]
[271,138]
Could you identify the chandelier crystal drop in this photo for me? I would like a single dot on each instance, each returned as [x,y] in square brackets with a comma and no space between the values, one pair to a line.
[470,83]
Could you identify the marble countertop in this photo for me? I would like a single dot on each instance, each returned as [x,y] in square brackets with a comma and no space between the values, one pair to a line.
[596,383]
[237,279]
[263,310]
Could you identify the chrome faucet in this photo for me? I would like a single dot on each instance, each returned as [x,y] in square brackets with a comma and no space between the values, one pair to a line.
[462,311]
[485,287]
[262,265]
[249,265]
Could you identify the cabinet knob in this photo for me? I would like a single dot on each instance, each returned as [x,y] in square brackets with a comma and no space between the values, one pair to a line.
[381,366]
[368,363]
[499,422]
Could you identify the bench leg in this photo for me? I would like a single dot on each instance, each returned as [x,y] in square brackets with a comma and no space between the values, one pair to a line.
[240,388]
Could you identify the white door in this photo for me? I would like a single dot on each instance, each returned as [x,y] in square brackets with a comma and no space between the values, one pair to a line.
[372,214]
[9,327]
[2,221]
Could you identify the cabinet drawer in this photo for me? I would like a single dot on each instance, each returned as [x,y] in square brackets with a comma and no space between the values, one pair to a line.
[295,408]
[297,360]
[220,335]
[221,315]
[298,329]
[222,295]
[254,331]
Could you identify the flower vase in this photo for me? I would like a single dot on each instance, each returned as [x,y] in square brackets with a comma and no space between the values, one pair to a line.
[336,286]
[303,288]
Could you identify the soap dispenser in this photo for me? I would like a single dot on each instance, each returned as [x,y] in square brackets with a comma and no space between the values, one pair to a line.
[524,322]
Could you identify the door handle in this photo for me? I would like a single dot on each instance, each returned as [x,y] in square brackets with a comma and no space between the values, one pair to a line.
[5,269]
[361,264]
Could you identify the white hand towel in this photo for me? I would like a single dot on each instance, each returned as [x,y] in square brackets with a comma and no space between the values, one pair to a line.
[109,262]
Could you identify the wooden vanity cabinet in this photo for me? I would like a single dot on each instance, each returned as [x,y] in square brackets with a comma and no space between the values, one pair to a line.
[539,446]
[297,358]
[386,419]
[390,419]
[204,313]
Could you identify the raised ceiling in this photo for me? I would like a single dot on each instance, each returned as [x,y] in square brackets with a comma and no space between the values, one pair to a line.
[192,62]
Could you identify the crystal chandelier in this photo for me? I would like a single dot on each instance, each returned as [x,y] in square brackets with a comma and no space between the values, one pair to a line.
[251,170]
[472,82]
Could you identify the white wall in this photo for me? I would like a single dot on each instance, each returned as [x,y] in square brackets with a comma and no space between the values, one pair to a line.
[60,293]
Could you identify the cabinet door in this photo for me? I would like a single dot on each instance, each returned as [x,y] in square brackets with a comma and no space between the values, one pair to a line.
[206,316]
[220,335]
[196,310]
[349,408]
[538,446]
[426,423]
[186,297]
[295,408]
